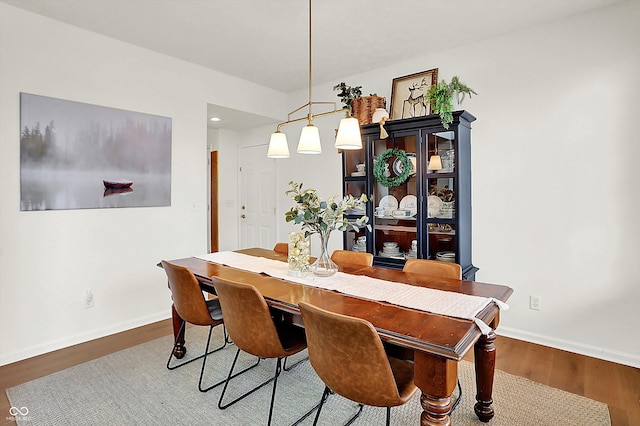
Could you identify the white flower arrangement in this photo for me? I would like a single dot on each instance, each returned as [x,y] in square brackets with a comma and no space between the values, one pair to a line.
[320,217]
[299,254]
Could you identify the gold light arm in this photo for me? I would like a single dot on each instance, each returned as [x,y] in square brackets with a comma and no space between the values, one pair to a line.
[322,114]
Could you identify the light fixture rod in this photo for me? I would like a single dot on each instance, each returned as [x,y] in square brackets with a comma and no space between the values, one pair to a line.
[310,116]
[278,145]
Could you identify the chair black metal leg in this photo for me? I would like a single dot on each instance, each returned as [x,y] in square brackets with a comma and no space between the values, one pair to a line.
[284,364]
[175,343]
[457,401]
[325,395]
[223,380]
[273,391]
[308,413]
[388,416]
[203,356]
[204,361]
[230,376]
[353,419]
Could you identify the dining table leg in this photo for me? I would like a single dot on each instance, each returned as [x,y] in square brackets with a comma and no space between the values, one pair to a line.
[436,377]
[180,349]
[485,364]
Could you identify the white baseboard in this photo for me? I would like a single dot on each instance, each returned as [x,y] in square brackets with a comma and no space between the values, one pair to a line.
[630,359]
[46,347]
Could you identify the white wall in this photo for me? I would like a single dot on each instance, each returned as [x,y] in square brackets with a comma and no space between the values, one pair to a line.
[555,180]
[555,190]
[49,258]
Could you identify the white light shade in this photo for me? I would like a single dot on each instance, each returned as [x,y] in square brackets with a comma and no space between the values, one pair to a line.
[349,134]
[278,147]
[435,163]
[309,140]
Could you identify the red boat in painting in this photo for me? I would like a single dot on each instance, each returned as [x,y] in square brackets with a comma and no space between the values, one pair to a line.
[116,191]
[117,184]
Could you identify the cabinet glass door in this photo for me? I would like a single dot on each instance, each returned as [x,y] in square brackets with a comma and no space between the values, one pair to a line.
[355,183]
[441,199]
[395,201]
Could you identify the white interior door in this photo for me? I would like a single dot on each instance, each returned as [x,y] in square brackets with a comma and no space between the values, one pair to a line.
[257,198]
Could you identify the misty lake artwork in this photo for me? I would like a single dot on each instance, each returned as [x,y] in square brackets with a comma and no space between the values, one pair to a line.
[75,155]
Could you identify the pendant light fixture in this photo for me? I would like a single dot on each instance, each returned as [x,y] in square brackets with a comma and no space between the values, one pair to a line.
[348,137]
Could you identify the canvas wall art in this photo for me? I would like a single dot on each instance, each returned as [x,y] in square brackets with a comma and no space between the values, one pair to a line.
[75,155]
[409,94]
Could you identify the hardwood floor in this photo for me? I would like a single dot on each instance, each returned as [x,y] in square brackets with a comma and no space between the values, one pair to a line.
[614,384]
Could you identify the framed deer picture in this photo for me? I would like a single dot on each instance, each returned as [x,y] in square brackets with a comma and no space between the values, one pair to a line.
[409,94]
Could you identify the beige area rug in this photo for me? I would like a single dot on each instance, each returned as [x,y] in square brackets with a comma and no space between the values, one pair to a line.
[133,387]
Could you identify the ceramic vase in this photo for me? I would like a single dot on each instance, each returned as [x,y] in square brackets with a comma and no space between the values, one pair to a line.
[379,114]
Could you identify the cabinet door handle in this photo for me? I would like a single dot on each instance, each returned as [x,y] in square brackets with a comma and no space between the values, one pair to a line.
[244,216]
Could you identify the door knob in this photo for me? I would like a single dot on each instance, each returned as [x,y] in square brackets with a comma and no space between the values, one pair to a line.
[243,216]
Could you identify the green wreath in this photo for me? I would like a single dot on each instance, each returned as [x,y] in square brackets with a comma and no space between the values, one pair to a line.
[379,169]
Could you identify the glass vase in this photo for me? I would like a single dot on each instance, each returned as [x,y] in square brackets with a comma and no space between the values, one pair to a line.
[324,266]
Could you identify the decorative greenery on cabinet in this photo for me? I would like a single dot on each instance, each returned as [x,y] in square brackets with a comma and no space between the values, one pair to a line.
[445,97]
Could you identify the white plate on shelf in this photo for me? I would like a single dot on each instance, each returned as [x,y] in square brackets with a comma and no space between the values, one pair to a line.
[434,205]
[401,214]
[446,256]
[392,256]
[389,202]
[410,202]
[398,166]
[356,211]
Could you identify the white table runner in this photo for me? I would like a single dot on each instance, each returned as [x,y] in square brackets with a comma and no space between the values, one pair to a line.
[440,302]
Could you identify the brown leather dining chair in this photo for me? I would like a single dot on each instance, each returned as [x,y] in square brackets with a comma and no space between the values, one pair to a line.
[348,355]
[341,257]
[190,304]
[253,330]
[435,268]
[281,248]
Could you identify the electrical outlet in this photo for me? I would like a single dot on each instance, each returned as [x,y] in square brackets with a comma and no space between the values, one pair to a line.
[88,298]
[535,303]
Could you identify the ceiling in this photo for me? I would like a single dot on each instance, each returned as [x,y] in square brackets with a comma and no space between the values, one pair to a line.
[266,42]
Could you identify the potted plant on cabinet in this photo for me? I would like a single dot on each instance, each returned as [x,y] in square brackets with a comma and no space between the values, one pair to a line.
[443,95]
[360,107]
[348,94]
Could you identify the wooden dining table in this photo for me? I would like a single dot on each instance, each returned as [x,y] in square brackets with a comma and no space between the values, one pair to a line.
[435,343]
